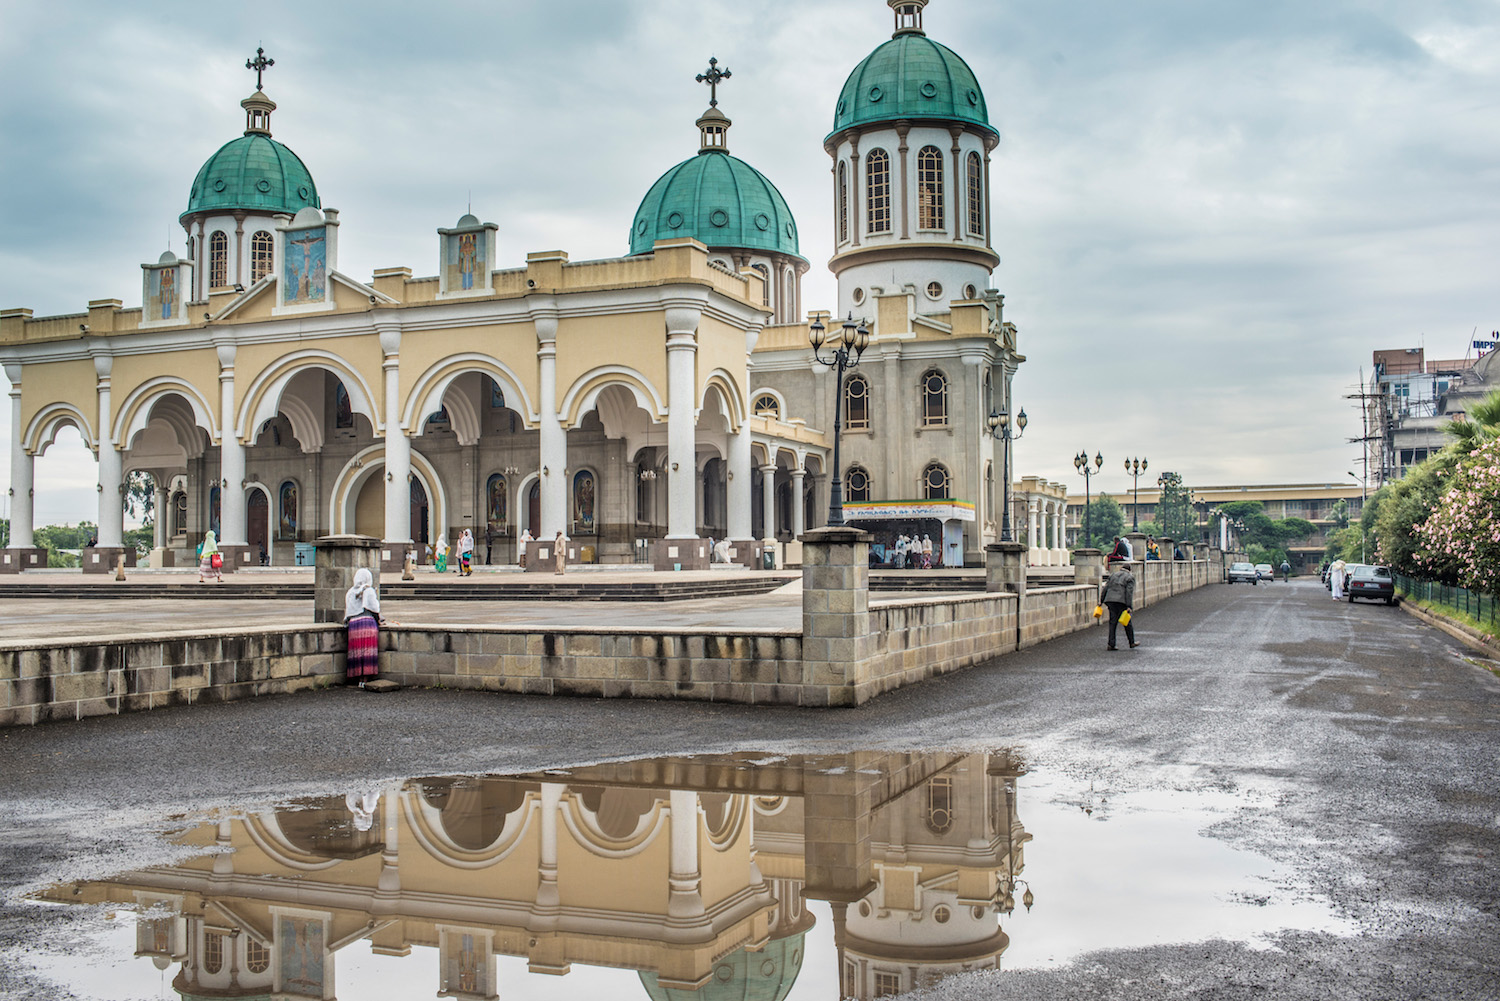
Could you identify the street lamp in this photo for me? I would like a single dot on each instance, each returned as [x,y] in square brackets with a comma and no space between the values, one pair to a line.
[1081,463]
[854,337]
[999,425]
[1362,500]
[1135,467]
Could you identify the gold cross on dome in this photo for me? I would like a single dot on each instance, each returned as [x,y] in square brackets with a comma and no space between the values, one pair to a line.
[259,64]
[712,78]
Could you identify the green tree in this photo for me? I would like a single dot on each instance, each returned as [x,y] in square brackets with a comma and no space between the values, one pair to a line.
[1390,522]
[1480,425]
[1106,519]
[141,539]
[140,494]
[1263,554]
[1343,544]
[4,532]
[1339,513]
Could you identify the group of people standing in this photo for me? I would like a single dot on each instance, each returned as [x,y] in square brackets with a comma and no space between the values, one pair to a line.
[913,552]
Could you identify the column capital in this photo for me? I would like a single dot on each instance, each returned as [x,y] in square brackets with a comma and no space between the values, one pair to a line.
[389,329]
[13,374]
[683,319]
[226,351]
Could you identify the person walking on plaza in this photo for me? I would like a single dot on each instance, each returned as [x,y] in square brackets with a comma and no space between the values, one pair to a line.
[560,553]
[210,560]
[526,540]
[362,621]
[465,553]
[441,562]
[926,552]
[1286,571]
[1336,579]
[1117,594]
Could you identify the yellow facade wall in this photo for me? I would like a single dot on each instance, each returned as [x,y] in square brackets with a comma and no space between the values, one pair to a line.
[635,883]
[635,339]
[511,343]
[47,383]
[198,368]
[361,353]
[721,346]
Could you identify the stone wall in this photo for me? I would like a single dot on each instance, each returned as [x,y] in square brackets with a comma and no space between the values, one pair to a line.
[1057,611]
[919,639]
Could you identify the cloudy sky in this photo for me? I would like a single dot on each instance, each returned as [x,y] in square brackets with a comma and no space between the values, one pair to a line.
[1209,213]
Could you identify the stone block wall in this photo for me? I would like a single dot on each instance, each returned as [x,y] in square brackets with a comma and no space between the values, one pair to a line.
[919,639]
[1055,612]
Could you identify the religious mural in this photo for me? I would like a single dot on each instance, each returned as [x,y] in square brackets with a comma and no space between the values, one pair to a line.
[305,268]
[494,493]
[343,409]
[286,525]
[583,502]
[497,398]
[161,293]
[301,943]
[213,511]
[464,260]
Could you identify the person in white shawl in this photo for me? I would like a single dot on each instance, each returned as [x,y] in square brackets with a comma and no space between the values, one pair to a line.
[362,620]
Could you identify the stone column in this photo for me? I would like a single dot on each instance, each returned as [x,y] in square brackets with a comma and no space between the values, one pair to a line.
[159,526]
[682,349]
[1088,567]
[548,908]
[22,553]
[1005,568]
[337,559]
[554,440]
[233,541]
[738,484]
[1033,527]
[397,535]
[1137,542]
[687,918]
[799,503]
[768,501]
[111,476]
[1166,547]
[836,640]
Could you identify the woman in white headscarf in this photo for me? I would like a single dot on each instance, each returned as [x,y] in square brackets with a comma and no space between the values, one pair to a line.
[362,619]
[465,553]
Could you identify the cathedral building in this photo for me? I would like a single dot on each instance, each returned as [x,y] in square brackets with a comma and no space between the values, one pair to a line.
[638,405]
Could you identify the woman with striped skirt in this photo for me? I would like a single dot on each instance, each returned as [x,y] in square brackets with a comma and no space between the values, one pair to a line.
[362,618]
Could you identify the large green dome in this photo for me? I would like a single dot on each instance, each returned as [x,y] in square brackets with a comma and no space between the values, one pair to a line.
[911,76]
[718,200]
[255,173]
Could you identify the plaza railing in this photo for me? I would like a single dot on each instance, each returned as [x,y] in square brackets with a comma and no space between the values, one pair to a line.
[1482,608]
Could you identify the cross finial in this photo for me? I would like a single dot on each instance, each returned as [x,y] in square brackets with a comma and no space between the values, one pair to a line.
[712,78]
[259,64]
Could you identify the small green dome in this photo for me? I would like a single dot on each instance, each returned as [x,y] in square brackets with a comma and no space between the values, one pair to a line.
[718,200]
[256,173]
[911,76]
[767,975]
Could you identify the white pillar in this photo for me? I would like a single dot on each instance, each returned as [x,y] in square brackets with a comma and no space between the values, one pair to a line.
[682,465]
[21,471]
[799,504]
[554,440]
[739,484]
[159,534]
[111,477]
[768,499]
[1033,524]
[685,908]
[545,911]
[231,458]
[397,444]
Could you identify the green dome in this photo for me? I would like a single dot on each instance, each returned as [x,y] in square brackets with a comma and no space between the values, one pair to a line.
[256,173]
[767,975]
[911,76]
[718,200]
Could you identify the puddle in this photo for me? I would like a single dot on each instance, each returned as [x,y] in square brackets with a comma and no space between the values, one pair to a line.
[801,877]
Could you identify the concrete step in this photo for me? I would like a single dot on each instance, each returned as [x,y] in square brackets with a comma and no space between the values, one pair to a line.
[513,589]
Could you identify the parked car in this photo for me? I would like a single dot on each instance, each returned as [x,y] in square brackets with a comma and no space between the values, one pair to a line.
[1264,571]
[1242,572]
[1372,582]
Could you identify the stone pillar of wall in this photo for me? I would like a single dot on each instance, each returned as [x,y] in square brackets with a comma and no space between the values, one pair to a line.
[1137,542]
[1005,568]
[836,640]
[1166,547]
[338,558]
[1088,567]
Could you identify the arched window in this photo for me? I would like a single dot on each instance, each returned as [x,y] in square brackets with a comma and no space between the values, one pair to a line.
[878,190]
[936,483]
[843,202]
[789,304]
[930,188]
[262,252]
[939,812]
[934,399]
[766,406]
[976,196]
[218,260]
[856,484]
[765,283]
[213,952]
[857,403]
[257,957]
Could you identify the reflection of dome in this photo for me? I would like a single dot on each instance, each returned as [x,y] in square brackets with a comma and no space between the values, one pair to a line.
[910,77]
[718,200]
[255,173]
[767,975]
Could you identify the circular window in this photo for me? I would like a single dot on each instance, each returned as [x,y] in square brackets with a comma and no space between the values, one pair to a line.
[719,217]
[262,185]
[841,107]
[858,296]
[767,968]
[929,90]
[303,193]
[724,972]
[974,97]
[970,292]
[640,227]
[194,192]
[941,915]
[876,94]
[864,908]
[762,221]
[674,220]
[791,231]
[934,290]
[978,913]
[219,184]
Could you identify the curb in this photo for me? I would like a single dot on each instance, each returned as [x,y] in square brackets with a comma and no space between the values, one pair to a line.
[1458,631]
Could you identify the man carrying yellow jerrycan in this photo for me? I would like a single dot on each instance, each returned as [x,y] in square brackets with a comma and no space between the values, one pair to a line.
[1117,593]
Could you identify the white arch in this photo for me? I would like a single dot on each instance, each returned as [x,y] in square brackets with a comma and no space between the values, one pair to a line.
[263,398]
[430,386]
[307,423]
[364,464]
[42,431]
[729,389]
[581,396]
[137,407]
[463,416]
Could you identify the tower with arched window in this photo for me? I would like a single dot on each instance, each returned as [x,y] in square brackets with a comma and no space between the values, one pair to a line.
[911,146]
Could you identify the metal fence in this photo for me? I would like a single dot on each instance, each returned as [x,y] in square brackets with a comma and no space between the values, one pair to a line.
[1475,604]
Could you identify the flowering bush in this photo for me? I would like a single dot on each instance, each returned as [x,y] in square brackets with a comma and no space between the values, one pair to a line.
[1461,537]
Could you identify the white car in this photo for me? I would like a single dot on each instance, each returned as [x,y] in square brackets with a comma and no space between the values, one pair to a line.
[1264,571]
[1242,572]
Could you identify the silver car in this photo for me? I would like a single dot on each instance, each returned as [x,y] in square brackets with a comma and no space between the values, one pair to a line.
[1243,572]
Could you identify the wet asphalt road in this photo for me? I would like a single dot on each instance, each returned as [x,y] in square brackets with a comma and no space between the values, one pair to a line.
[1377,734]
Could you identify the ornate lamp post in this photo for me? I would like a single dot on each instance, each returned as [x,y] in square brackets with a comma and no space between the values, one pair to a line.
[1000,427]
[1081,463]
[1135,467]
[854,338]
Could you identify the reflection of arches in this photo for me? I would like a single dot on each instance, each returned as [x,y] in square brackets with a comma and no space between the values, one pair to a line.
[434,828]
[263,397]
[358,471]
[613,822]
[723,817]
[42,431]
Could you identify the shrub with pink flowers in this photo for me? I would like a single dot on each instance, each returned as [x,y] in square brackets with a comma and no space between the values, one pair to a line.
[1461,536]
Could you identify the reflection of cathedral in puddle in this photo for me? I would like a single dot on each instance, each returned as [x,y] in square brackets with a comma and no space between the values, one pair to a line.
[693,871]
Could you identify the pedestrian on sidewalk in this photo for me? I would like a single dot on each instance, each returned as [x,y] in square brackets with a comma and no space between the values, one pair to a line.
[1117,594]
[465,553]
[441,563]
[1336,579]
[526,540]
[1286,571]
[560,553]
[207,564]
[362,621]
